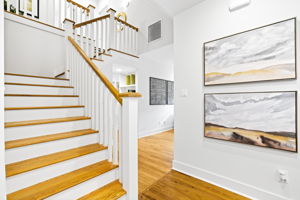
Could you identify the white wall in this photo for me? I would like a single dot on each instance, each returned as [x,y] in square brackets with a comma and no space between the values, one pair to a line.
[247,169]
[153,118]
[2,147]
[32,48]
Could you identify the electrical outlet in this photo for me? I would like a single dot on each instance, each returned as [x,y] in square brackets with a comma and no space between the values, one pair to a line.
[283,176]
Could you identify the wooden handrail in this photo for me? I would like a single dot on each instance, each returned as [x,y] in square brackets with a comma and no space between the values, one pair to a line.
[106,82]
[127,24]
[90,21]
[130,94]
[79,5]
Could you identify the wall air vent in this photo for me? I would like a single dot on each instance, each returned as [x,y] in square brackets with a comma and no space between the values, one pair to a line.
[154,31]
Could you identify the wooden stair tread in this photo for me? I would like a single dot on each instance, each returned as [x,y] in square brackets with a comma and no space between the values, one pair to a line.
[111,191]
[34,76]
[42,161]
[38,85]
[42,107]
[39,95]
[55,185]
[43,121]
[47,138]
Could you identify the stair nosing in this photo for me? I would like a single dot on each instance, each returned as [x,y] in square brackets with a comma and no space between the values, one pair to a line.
[47,138]
[56,154]
[34,76]
[38,85]
[107,186]
[66,177]
[39,95]
[44,121]
[43,107]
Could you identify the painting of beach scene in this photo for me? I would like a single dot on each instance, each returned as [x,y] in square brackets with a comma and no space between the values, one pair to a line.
[266,119]
[265,53]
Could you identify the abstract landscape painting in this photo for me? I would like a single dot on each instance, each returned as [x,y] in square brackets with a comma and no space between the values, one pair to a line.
[266,53]
[263,119]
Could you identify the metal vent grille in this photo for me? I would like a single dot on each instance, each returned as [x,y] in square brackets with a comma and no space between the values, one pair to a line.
[154,31]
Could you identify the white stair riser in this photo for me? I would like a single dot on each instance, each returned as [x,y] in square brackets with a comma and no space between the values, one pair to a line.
[27,179]
[123,197]
[36,150]
[31,80]
[22,89]
[21,101]
[86,187]
[36,114]
[21,132]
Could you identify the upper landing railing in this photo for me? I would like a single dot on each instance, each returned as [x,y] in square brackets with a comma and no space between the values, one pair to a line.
[54,14]
[105,34]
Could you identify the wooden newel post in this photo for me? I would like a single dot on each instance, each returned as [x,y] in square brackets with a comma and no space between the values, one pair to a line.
[92,11]
[68,26]
[111,29]
[129,144]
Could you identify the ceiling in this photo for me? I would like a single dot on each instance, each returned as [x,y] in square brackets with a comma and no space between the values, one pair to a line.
[174,7]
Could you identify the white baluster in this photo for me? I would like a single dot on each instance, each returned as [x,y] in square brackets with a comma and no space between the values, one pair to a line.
[101,103]
[105,117]
[59,14]
[102,34]
[136,42]
[97,39]
[110,129]
[53,12]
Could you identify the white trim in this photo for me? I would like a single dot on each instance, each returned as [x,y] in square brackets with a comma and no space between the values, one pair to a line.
[235,186]
[2,148]
[154,132]
[27,22]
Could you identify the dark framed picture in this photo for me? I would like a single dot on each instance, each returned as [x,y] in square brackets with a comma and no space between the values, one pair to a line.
[161,92]
[265,119]
[32,7]
[262,54]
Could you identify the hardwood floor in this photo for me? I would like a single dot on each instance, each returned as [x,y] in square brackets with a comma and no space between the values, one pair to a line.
[155,158]
[158,182]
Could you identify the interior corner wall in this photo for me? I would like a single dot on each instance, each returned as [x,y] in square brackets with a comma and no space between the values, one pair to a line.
[153,118]
[245,169]
[32,48]
[142,13]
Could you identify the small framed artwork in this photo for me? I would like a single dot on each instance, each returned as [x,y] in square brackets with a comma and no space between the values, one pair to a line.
[262,54]
[265,119]
[161,92]
[32,7]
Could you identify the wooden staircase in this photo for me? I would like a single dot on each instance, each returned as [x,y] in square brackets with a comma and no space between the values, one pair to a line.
[51,150]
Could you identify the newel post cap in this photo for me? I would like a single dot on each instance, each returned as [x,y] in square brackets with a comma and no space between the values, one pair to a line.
[130,94]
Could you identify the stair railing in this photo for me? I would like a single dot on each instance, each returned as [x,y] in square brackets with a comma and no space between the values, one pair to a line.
[105,34]
[57,11]
[115,115]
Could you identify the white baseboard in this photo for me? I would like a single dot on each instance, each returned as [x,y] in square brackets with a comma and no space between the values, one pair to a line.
[235,186]
[153,132]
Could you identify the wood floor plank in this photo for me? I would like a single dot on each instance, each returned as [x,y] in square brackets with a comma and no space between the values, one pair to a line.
[155,158]
[42,161]
[43,107]
[178,186]
[55,185]
[112,191]
[157,180]
[47,138]
[44,121]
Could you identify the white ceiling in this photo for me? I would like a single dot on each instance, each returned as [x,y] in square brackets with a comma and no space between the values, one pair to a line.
[174,7]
